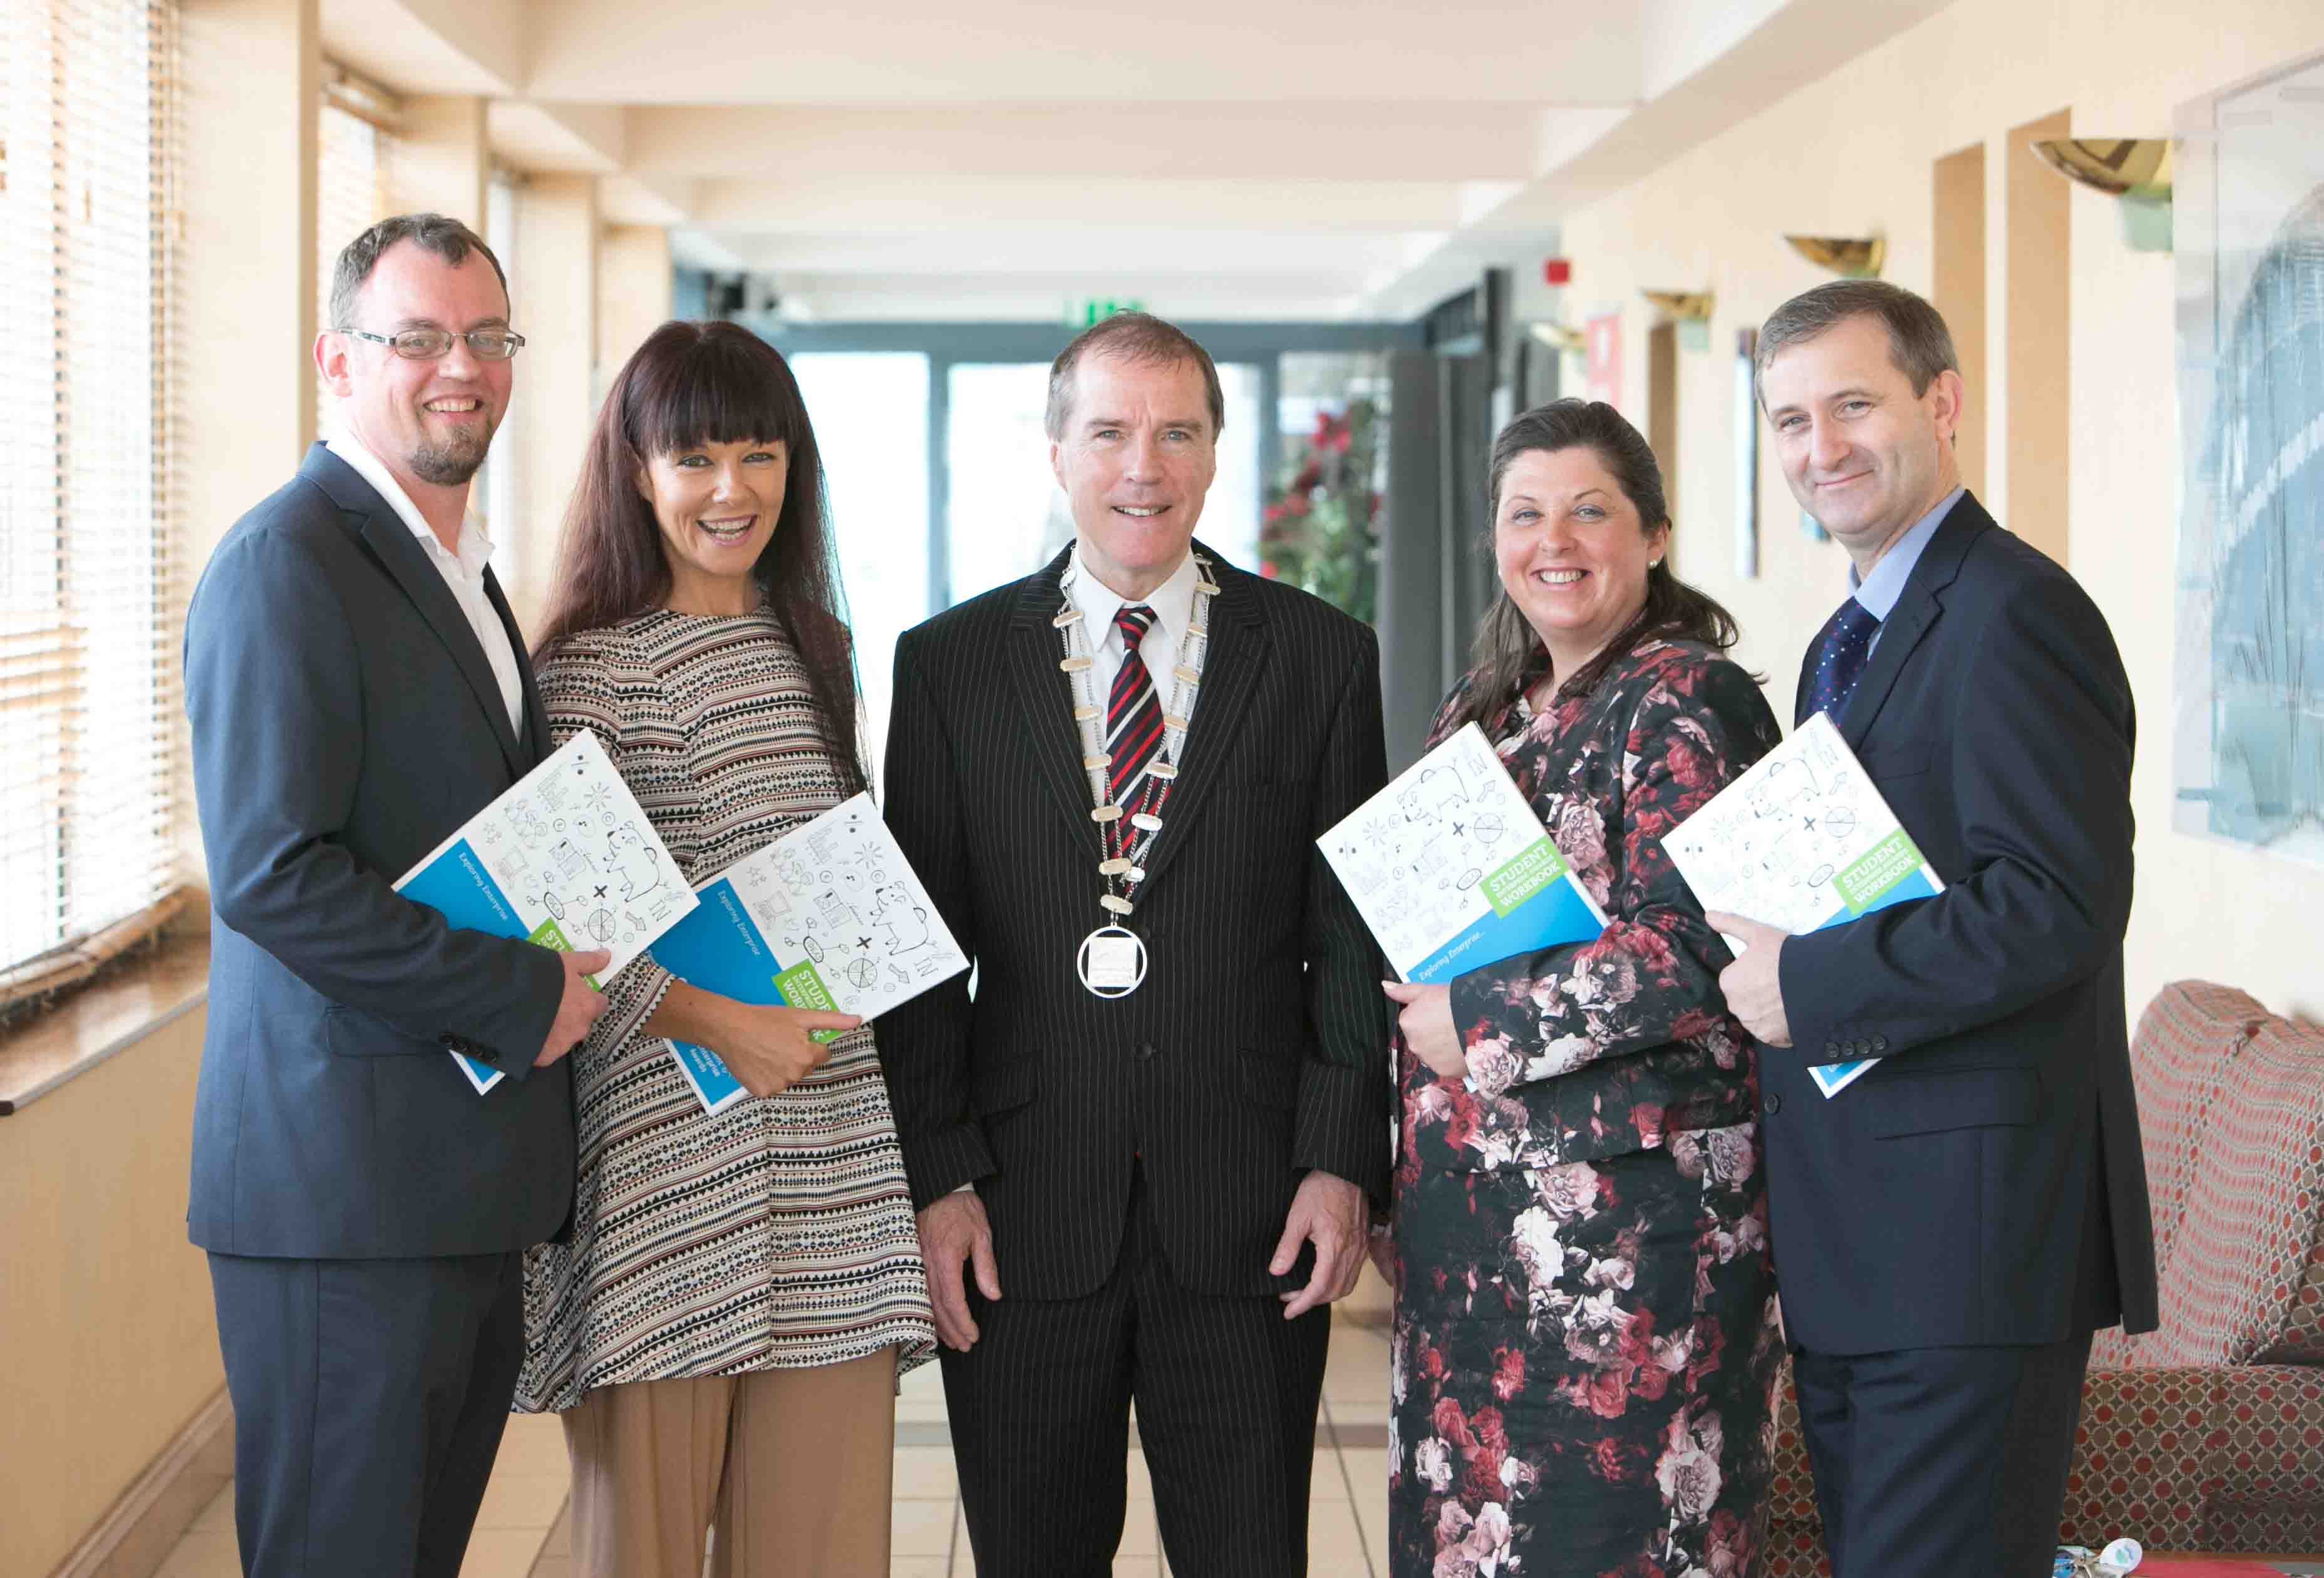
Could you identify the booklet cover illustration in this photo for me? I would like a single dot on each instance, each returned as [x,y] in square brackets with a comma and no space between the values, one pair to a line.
[566,859]
[1450,868]
[829,915]
[1801,841]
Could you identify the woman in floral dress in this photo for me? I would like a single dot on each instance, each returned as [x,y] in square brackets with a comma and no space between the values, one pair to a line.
[1584,1332]
[721,1328]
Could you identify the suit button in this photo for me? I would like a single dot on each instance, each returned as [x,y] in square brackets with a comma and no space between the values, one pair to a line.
[1774,1103]
[449,1039]
[1834,1049]
[1880,1043]
[1145,1051]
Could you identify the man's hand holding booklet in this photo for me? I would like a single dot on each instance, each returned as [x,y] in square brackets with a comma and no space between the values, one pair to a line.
[1802,842]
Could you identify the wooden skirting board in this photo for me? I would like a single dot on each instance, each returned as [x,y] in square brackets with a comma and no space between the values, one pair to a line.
[136,1534]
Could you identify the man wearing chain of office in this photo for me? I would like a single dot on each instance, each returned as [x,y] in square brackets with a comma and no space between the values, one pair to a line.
[1142,1154]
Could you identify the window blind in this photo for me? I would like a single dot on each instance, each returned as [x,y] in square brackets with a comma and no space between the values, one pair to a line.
[88,590]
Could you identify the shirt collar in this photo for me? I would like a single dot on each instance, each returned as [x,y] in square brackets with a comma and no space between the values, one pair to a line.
[1173,600]
[476,549]
[1879,591]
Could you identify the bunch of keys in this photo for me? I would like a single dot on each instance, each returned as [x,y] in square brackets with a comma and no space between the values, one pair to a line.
[2122,1556]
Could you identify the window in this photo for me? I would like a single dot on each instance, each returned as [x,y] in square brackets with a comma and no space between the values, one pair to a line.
[88,593]
[870,411]
[353,148]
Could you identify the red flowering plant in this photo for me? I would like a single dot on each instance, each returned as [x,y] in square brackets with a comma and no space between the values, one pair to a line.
[1321,529]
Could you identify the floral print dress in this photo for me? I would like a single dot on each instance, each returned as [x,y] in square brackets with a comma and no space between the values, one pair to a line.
[1584,1332]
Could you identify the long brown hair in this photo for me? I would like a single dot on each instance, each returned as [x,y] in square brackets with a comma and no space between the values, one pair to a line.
[689,384]
[1509,654]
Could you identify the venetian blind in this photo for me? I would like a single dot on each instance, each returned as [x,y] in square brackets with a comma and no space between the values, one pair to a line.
[89,599]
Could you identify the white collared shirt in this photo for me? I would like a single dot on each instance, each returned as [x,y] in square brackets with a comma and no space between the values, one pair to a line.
[463,572]
[1173,602]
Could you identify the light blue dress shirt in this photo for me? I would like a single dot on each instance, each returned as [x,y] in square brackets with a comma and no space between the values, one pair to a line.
[1879,591]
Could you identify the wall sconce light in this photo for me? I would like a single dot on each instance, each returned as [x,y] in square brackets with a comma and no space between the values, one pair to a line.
[1851,257]
[1692,311]
[2137,169]
[1557,337]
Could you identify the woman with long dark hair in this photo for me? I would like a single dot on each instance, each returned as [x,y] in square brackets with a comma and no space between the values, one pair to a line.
[722,1328]
[1583,1336]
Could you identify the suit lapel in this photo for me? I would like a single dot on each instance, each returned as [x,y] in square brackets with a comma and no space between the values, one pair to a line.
[535,746]
[1044,697]
[394,545]
[1918,608]
[1231,670]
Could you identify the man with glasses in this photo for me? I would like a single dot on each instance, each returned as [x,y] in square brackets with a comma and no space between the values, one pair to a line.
[357,690]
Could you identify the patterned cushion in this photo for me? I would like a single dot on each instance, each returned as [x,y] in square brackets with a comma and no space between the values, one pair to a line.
[2187,1042]
[2222,1458]
[2281,1083]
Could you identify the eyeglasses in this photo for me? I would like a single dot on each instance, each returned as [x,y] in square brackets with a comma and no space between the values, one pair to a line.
[426,344]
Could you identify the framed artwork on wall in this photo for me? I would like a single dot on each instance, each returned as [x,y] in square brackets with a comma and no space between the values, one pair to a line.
[1747,457]
[2248,690]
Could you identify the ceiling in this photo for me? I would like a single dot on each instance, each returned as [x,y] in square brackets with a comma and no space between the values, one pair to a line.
[1234,159]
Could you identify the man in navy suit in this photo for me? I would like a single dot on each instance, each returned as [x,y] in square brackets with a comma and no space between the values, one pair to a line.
[357,690]
[1951,1227]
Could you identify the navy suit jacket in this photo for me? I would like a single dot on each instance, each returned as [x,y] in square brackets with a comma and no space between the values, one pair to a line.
[1985,1182]
[345,722]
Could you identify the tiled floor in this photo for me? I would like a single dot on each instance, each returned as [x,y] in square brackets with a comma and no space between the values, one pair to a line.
[522,1532]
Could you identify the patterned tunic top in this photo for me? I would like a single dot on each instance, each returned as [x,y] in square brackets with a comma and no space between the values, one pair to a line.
[778,1234]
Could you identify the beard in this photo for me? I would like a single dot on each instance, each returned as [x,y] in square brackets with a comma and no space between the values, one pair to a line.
[455,460]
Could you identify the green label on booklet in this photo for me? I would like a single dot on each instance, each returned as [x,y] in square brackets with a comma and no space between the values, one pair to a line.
[1877,870]
[802,988]
[549,936]
[1536,866]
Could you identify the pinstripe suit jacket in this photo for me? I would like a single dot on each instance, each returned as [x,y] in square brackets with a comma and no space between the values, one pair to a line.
[1257,1047]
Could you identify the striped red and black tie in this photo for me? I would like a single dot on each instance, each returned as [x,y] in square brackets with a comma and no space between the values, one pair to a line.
[1133,717]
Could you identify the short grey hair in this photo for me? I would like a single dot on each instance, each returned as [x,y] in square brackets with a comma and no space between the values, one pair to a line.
[1134,336]
[439,234]
[1919,344]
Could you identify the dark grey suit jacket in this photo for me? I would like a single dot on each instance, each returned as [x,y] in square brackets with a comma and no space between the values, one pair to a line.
[1256,1050]
[345,722]
[1985,1183]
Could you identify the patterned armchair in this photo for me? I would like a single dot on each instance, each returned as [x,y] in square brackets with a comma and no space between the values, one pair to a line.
[2207,1435]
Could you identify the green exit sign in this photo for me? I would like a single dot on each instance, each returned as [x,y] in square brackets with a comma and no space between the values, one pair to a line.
[1098,307]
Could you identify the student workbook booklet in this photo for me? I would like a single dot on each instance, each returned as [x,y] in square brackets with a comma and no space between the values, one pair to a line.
[564,859]
[829,915]
[1450,868]
[1800,842]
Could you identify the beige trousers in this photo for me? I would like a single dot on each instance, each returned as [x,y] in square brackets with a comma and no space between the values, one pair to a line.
[792,1467]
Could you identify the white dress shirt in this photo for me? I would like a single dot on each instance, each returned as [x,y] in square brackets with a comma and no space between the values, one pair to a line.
[1173,602]
[463,572]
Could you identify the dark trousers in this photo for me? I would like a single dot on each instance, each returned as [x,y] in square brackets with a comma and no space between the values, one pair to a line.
[1226,1391]
[369,1399]
[1936,1461]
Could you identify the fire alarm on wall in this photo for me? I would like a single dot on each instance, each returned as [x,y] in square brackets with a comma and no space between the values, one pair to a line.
[1557,271]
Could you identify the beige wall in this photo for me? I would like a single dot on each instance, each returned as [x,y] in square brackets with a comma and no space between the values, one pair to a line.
[1855,153]
[245,338]
[556,384]
[634,293]
[104,1310]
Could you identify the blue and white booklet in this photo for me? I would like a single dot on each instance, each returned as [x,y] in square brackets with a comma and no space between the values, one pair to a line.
[564,859]
[830,915]
[1803,840]
[1451,869]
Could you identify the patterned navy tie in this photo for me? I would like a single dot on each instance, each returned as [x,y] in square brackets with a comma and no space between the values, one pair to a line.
[1838,657]
[1133,717]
